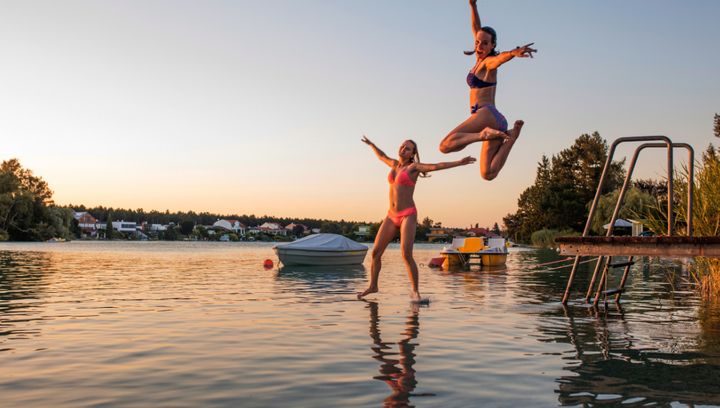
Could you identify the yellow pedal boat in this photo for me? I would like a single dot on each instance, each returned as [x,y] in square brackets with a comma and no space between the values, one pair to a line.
[475,251]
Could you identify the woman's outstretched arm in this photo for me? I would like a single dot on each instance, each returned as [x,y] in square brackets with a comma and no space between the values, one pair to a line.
[521,52]
[474,18]
[379,153]
[426,167]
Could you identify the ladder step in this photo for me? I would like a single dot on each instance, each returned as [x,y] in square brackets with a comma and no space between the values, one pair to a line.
[613,291]
[621,264]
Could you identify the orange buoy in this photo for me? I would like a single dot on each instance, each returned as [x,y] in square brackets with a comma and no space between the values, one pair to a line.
[268,264]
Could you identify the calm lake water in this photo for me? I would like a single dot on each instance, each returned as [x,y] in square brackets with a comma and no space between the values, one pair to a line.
[157,324]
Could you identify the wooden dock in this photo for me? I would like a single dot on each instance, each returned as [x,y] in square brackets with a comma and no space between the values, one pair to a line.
[662,246]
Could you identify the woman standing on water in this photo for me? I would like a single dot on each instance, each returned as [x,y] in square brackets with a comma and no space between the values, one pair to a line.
[402,215]
[486,123]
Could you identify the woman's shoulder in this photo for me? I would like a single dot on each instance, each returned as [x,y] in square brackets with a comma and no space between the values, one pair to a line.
[412,167]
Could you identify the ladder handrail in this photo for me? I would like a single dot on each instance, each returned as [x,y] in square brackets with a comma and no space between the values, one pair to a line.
[631,168]
[606,168]
[667,143]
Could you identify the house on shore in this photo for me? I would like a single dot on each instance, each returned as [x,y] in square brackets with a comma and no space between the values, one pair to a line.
[292,227]
[87,223]
[231,225]
[477,232]
[272,228]
[362,233]
[626,227]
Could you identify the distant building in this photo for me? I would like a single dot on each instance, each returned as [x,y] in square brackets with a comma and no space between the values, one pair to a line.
[477,232]
[272,228]
[125,226]
[363,232]
[626,227]
[290,228]
[157,227]
[87,223]
[231,225]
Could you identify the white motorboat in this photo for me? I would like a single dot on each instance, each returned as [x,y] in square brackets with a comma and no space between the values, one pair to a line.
[321,249]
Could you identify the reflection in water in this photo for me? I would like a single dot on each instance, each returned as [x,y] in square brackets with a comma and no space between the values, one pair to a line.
[709,318]
[479,282]
[324,283]
[398,373]
[613,369]
[22,280]
[324,275]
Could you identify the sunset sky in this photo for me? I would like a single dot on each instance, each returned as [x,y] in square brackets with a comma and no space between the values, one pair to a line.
[258,107]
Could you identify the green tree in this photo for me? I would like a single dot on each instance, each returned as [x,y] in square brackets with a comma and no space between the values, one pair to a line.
[331,227]
[423,228]
[200,232]
[532,203]
[109,230]
[170,234]
[60,223]
[186,227]
[634,205]
[717,125]
[24,202]
[298,230]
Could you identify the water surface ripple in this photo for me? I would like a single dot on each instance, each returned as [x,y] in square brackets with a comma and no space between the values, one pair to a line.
[162,324]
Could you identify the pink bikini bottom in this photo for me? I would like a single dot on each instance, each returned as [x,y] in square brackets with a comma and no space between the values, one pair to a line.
[398,217]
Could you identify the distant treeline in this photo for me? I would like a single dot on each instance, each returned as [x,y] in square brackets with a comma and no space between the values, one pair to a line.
[166,217]
[347,228]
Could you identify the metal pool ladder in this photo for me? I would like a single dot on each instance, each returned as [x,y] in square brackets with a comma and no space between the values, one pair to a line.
[606,260]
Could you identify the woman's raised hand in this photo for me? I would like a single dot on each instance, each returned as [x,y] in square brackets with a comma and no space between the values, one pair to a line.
[467,160]
[524,51]
[366,140]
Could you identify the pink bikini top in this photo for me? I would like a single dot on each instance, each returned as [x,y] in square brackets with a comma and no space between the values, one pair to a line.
[403,179]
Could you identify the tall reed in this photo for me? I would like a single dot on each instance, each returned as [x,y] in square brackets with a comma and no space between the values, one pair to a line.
[706,216]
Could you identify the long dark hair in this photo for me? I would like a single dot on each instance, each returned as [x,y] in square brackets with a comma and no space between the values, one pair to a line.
[493,38]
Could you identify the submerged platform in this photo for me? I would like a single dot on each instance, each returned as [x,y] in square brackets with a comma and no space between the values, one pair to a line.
[673,247]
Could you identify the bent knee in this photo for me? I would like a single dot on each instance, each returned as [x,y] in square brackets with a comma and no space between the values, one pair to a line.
[446,146]
[488,175]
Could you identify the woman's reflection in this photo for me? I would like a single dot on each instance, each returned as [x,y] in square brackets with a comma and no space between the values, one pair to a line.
[396,369]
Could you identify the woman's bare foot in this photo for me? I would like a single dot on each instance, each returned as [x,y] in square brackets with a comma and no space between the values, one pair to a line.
[368,291]
[490,134]
[514,133]
[416,299]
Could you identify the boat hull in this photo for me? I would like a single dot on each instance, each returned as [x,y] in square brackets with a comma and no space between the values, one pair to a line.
[454,258]
[493,259]
[291,256]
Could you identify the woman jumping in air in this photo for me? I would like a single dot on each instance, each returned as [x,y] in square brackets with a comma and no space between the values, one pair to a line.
[402,215]
[486,123]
